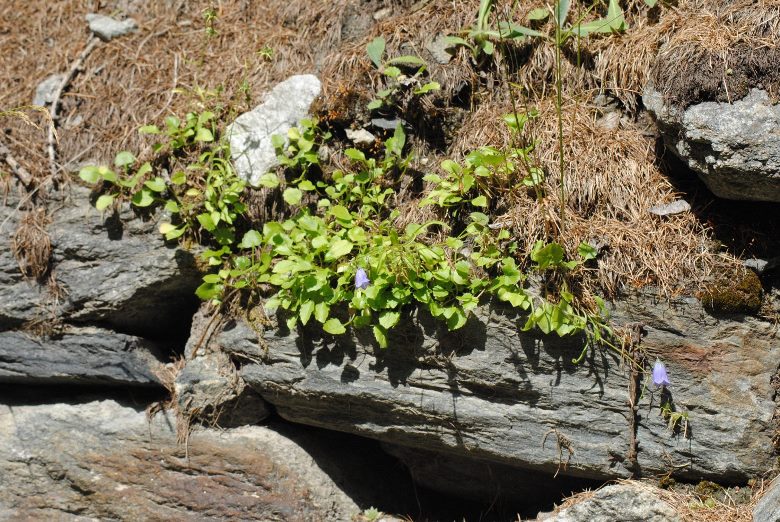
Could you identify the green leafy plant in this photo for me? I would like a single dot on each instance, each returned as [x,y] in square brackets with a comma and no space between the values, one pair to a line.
[484,171]
[210,17]
[340,260]
[204,195]
[397,81]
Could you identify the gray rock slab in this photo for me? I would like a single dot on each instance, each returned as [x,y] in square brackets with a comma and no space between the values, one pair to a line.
[733,147]
[360,136]
[104,460]
[491,392]
[209,388]
[768,507]
[114,270]
[107,28]
[669,209]
[438,49]
[44,92]
[623,502]
[79,356]
[250,135]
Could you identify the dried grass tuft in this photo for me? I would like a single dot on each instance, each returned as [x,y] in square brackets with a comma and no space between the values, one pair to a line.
[611,181]
[31,244]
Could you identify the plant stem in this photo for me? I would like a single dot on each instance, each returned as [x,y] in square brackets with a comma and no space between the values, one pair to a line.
[559,110]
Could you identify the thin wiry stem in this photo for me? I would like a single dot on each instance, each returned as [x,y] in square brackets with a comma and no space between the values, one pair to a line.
[559,111]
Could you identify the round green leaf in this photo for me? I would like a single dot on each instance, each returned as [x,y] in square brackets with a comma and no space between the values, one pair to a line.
[252,239]
[338,248]
[124,159]
[104,201]
[90,174]
[292,196]
[334,326]
[143,198]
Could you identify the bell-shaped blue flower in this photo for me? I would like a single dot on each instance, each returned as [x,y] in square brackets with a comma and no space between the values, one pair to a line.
[660,377]
[361,279]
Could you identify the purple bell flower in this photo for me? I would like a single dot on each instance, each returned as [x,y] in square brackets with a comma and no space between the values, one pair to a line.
[361,279]
[660,377]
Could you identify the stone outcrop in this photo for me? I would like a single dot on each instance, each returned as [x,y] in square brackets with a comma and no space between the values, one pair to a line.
[110,269]
[733,147]
[624,502]
[768,507]
[493,393]
[250,135]
[110,283]
[108,461]
[79,356]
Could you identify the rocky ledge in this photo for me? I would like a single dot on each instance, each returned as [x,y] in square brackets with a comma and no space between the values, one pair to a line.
[495,394]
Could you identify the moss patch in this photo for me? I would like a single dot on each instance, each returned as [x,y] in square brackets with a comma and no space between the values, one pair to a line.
[738,294]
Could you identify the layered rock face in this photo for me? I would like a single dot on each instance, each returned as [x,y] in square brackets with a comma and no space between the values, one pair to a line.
[733,147]
[493,393]
[106,460]
[111,285]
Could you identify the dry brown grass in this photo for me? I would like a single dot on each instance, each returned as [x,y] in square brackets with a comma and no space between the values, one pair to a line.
[611,181]
[612,174]
[31,244]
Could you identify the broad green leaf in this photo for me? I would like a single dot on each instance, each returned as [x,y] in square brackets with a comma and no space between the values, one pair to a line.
[104,201]
[428,87]
[334,326]
[586,251]
[355,154]
[390,72]
[538,14]
[341,213]
[338,248]
[305,311]
[176,232]
[124,159]
[143,198]
[357,234]
[321,311]
[179,177]
[251,239]
[381,336]
[166,227]
[375,50]
[547,255]
[374,104]
[562,11]
[651,3]
[306,185]
[269,180]
[204,135]
[479,218]
[172,207]
[479,201]
[90,174]
[278,141]
[457,319]
[208,291]
[149,129]
[292,196]
[389,319]
[206,221]
[156,185]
